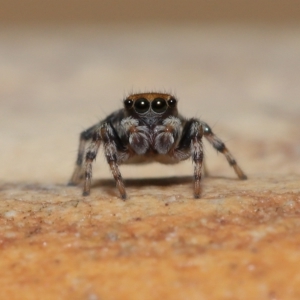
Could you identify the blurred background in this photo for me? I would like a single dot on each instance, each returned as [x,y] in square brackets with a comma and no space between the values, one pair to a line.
[64,65]
[64,12]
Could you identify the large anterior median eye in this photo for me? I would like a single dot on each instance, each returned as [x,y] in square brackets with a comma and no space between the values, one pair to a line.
[141,105]
[159,105]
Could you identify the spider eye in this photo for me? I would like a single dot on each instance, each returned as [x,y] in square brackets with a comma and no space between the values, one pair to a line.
[172,102]
[141,105]
[159,105]
[207,129]
[128,103]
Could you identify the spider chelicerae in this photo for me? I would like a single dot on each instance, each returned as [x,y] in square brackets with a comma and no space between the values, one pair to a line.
[148,129]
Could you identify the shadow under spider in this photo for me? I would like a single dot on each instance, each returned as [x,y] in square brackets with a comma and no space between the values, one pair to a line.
[156,181]
[134,182]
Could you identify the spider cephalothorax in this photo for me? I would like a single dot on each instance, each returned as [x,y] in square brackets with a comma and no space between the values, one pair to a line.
[148,128]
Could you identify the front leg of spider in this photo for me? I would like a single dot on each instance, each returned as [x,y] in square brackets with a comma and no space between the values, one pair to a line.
[190,145]
[105,135]
[111,154]
[197,155]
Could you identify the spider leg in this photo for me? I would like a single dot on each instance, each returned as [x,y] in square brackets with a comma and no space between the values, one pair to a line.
[190,145]
[111,154]
[197,155]
[89,158]
[78,173]
[221,147]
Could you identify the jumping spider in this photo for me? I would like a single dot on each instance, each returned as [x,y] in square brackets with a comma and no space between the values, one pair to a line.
[148,128]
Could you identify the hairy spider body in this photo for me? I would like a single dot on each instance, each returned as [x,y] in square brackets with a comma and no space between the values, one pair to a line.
[148,129]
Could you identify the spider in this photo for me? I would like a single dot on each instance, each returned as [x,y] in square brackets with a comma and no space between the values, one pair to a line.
[148,129]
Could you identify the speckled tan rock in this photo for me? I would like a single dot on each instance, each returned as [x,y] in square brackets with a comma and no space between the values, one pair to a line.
[241,238]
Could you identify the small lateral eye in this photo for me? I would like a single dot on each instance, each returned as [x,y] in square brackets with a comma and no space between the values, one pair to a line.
[141,105]
[128,103]
[172,102]
[207,129]
[159,105]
